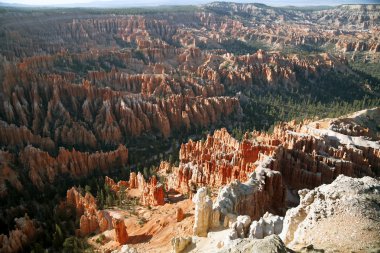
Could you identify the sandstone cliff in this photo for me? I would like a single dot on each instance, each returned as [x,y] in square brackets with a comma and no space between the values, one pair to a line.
[43,168]
[151,192]
[263,191]
[214,163]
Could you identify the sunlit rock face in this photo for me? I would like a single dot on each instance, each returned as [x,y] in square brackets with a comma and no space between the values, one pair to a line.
[203,212]
[306,154]
[90,218]
[327,210]
[121,235]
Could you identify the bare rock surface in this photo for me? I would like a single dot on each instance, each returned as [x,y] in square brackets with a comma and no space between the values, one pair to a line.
[203,212]
[180,243]
[269,224]
[270,244]
[121,235]
[263,191]
[342,216]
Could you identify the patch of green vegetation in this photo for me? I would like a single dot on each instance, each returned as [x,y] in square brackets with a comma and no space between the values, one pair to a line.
[266,110]
[107,62]
[121,43]
[138,54]
[305,49]
[101,239]
[141,221]
[239,47]
[4,10]
[370,68]
[81,67]
[331,95]
[144,10]
[76,245]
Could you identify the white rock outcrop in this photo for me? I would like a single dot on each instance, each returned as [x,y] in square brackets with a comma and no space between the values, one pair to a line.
[343,215]
[269,224]
[269,244]
[203,212]
[125,249]
[263,191]
[241,226]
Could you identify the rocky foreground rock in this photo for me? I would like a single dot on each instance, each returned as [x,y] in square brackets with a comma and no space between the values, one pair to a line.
[346,212]
[270,244]
[337,217]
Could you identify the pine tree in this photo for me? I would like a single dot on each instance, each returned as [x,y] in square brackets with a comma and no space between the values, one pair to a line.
[57,237]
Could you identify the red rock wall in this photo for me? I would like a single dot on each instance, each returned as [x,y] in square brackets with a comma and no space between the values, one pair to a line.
[44,169]
[152,192]
[304,160]
[215,162]
[264,191]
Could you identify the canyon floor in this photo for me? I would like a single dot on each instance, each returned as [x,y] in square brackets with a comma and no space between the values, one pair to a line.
[156,233]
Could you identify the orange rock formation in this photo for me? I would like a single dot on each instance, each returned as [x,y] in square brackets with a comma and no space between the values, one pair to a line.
[304,159]
[44,168]
[24,233]
[180,215]
[121,235]
[91,219]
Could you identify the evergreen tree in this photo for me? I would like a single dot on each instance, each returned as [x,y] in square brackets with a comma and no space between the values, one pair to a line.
[57,237]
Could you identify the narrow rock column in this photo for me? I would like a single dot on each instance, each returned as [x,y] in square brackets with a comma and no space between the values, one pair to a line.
[203,210]
[180,215]
[121,235]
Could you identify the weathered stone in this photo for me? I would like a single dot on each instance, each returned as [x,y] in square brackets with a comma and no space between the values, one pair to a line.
[269,224]
[180,243]
[121,235]
[344,205]
[179,214]
[203,210]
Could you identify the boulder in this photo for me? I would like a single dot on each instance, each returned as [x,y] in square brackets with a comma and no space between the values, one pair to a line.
[179,214]
[270,244]
[180,243]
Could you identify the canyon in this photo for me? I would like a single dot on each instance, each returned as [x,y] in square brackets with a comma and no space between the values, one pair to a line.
[230,210]
[223,127]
